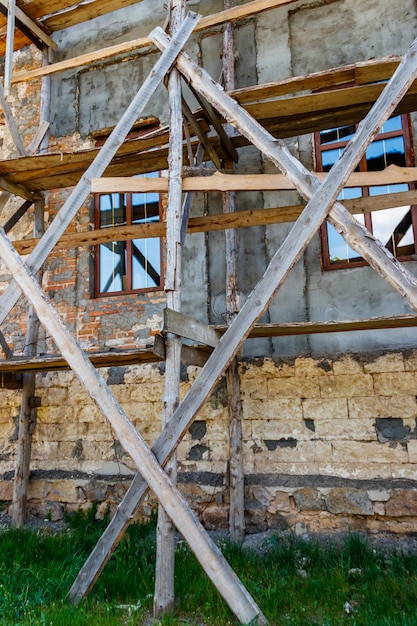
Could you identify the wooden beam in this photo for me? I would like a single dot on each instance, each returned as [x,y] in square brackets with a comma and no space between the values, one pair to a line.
[356,73]
[203,224]
[16,190]
[102,160]
[13,219]
[38,137]
[275,275]
[290,329]
[206,551]
[113,358]
[308,186]
[304,105]
[238,13]
[28,408]
[164,593]
[154,352]
[186,326]
[8,63]
[10,123]
[392,175]
[84,12]
[236,474]
[32,26]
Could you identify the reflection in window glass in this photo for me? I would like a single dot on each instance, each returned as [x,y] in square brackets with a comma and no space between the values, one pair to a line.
[339,251]
[385,152]
[131,265]
[112,266]
[392,226]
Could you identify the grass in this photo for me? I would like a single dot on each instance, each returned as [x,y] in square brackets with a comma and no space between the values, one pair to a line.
[295,582]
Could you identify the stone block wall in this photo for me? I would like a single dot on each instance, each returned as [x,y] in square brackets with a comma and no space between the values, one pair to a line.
[329,444]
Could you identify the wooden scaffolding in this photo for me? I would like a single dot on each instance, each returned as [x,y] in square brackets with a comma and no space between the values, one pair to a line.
[262,116]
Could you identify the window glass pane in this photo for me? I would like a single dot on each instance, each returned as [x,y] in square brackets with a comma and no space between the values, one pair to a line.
[350,192]
[112,210]
[329,157]
[146,263]
[378,190]
[339,251]
[112,266]
[395,123]
[335,135]
[393,228]
[385,152]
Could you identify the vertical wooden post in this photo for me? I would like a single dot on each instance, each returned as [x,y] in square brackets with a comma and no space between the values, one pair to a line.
[206,551]
[116,138]
[28,410]
[8,65]
[10,123]
[236,470]
[165,550]
[45,104]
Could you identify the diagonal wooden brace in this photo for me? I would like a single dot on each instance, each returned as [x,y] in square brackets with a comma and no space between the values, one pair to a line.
[208,554]
[80,192]
[275,275]
[305,182]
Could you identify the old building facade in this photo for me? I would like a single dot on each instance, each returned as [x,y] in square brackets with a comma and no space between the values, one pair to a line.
[329,418]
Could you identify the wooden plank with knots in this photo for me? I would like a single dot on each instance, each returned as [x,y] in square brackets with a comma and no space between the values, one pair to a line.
[206,551]
[275,275]
[234,14]
[79,194]
[209,223]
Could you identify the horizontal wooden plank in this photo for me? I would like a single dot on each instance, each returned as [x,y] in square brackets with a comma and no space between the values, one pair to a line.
[33,27]
[222,221]
[56,23]
[246,182]
[317,102]
[111,358]
[186,326]
[313,328]
[84,12]
[353,74]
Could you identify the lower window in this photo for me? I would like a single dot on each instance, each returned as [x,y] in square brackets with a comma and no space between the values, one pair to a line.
[128,266]
[396,228]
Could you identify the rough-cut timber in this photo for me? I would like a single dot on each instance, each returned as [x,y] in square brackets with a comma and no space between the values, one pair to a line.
[113,143]
[206,551]
[164,595]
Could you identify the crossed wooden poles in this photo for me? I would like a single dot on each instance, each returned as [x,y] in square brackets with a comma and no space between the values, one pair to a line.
[322,204]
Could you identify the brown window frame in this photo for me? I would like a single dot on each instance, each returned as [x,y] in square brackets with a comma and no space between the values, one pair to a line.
[406,134]
[128,277]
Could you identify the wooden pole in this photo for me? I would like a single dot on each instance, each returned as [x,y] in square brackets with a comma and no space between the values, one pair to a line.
[234,403]
[8,64]
[305,182]
[210,557]
[28,408]
[45,105]
[164,596]
[281,264]
[240,12]
[100,163]
[10,123]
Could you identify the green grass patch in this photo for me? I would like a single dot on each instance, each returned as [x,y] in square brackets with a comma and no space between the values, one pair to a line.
[295,582]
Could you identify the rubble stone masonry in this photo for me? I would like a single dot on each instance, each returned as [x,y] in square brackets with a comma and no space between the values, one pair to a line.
[328,444]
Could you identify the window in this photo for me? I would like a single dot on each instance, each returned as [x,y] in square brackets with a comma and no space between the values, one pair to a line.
[396,228]
[133,265]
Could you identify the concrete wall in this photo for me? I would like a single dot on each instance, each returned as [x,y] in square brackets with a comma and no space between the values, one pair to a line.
[329,420]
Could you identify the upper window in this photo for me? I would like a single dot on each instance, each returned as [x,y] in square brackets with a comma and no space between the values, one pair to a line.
[132,265]
[396,228]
